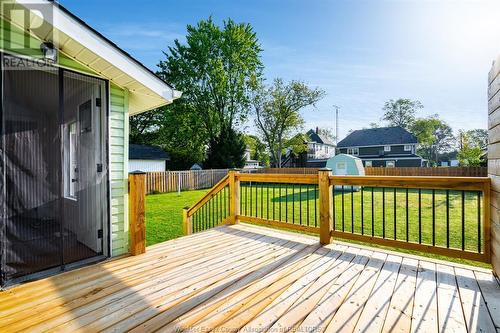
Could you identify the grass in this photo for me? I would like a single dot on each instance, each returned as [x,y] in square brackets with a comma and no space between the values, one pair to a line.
[297,204]
[164,214]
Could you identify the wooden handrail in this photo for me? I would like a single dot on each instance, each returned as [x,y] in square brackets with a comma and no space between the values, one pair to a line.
[214,190]
[431,182]
[277,178]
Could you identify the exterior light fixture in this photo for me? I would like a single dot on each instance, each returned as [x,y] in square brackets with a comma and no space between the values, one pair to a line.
[49,52]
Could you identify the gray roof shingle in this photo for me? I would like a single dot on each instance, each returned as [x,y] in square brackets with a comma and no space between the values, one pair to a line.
[147,152]
[378,136]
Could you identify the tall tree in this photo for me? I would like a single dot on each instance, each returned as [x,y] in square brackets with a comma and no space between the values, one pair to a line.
[215,68]
[258,149]
[470,151]
[478,137]
[434,136]
[401,112]
[277,112]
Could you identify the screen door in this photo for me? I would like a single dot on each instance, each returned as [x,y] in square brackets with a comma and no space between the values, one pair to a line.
[54,171]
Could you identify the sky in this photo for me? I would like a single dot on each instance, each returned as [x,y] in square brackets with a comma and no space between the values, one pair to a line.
[361,52]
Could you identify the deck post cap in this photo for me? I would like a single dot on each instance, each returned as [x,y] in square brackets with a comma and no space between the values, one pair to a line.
[137,172]
[325,169]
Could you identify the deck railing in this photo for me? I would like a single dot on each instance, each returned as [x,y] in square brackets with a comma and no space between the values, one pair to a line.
[442,215]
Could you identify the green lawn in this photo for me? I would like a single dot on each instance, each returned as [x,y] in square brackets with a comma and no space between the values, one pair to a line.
[296,204]
[164,214]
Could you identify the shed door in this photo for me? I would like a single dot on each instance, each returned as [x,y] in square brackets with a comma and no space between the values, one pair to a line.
[54,174]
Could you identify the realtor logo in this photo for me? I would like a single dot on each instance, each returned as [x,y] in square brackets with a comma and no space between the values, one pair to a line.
[26,30]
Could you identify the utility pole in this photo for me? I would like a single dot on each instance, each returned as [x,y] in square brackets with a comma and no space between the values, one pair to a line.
[336,123]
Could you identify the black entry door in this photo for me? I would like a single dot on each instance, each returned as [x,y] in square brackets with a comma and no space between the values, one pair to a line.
[54,175]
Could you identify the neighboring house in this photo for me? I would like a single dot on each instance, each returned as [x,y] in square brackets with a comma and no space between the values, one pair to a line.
[318,150]
[147,158]
[249,163]
[67,94]
[319,147]
[382,147]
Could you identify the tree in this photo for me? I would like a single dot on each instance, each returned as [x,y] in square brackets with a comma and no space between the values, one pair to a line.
[327,133]
[258,149]
[478,138]
[277,112]
[227,150]
[470,152]
[215,69]
[434,137]
[401,112]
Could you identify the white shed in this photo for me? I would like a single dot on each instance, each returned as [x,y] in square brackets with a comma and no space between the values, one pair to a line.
[147,158]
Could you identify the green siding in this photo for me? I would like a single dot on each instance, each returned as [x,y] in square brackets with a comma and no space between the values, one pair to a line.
[119,170]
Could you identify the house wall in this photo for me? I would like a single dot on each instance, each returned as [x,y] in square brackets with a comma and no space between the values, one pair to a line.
[13,40]
[494,160]
[119,124]
[377,150]
[146,165]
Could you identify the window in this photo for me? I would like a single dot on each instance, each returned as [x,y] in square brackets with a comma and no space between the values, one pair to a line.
[408,147]
[353,151]
[368,163]
[390,164]
[387,148]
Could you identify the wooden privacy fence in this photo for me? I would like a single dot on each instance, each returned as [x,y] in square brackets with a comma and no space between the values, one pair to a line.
[172,181]
[442,215]
[439,171]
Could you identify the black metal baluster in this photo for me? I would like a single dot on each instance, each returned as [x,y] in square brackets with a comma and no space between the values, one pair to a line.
[246,199]
[251,199]
[420,216]
[334,209]
[362,212]
[352,209]
[256,199]
[448,218]
[307,207]
[373,215]
[216,204]
[293,203]
[300,204]
[280,201]
[343,222]
[274,201]
[407,219]
[433,217]
[316,206]
[286,203]
[395,217]
[463,220]
[479,222]
[267,206]
[383,212]
[262,200]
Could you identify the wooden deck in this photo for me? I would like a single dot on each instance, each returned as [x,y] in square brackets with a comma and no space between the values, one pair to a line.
[254,279]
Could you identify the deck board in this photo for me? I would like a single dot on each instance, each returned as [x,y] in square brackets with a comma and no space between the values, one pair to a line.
[253,279]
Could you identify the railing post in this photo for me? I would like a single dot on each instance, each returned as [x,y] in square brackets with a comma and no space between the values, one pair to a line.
[234,197]
[186,222]
[325,205]
[137,200]
[487,220]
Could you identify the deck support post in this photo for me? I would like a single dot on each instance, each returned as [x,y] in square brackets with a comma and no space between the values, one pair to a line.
[234,197]
[187,226]
[325,205]
[137,225]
